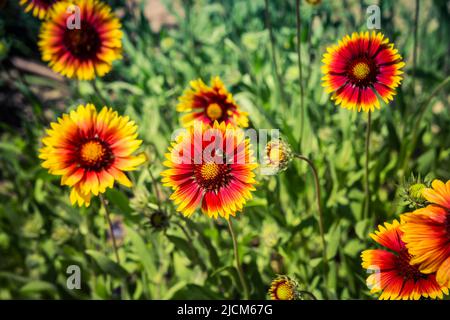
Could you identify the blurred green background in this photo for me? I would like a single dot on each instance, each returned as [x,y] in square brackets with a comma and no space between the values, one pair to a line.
[166,44]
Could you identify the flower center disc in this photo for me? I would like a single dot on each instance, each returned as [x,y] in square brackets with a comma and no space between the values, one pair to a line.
[276,155]
[284,291]
[361,70]
[209,171]
[84,42]
[214,111]
[92,152]
[406,270]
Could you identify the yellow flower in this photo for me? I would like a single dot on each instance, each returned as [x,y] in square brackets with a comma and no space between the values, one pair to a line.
[220,184]
[277,156]
[360,68]
[209,104]
[39,8]
[83,51]
[427,233]
[90,151]
[283,288]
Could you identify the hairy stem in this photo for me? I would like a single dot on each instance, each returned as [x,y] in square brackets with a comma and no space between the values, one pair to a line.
[321,219]
[238,263]
[366,166]
[300,75]
[111,228]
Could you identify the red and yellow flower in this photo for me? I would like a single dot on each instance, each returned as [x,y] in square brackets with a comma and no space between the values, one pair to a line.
[90,151]
[392,272]
[83,51]
[39,8]
[361,67]
[209,104]
[427,233]
[211,167]
[283,288]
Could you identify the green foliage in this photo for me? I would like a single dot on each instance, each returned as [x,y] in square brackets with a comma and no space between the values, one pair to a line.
[41,234]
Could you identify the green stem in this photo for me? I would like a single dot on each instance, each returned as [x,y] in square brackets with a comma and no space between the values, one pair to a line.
[99,93]
[366,167]
[156,189]
[321,219]
[300,75]
[238,263]
[274,58]
[307,293]
[416,22]
[111,229]
[191,245]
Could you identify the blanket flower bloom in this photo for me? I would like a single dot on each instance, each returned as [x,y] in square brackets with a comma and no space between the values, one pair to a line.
[39,8]
[277,156]
[283,288]
[427,233]
[209,104]
[84,51]
[217,175]
[90,151]
[392,272]
[361,67]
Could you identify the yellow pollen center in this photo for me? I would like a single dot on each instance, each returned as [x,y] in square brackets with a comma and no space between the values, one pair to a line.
[209,171]
[92,151]
[214,111]
[276,155]
[284,292]
[361,70]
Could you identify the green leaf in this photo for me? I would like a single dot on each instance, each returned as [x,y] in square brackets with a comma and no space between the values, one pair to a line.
[107,265]
[142,251]
[333,241]
[38,286]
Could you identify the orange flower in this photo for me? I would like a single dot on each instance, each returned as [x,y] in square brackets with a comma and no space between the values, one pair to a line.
[90,151]
[83,52]
[361,67]
[220,182]
[283,288]
[427,233]
[209,104]
[39,8]
[394,275]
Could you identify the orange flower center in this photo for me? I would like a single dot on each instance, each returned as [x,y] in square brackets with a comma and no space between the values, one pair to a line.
[209,171]
[92,151]
[284,291]
[214,111]
[83,43]
[361,70]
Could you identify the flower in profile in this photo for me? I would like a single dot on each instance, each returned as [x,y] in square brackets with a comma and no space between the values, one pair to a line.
[81,51]
[412,192]
[39,8]
[392,272]
[283,288]
[209,104]
[361,67]
[427,233]
[278,154]
[90,151]
[221,180]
